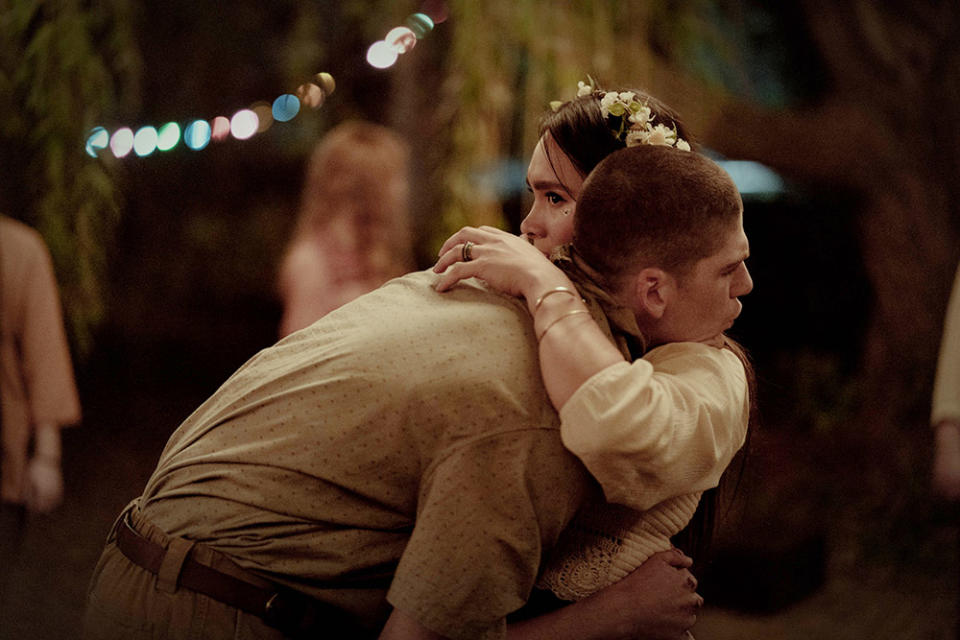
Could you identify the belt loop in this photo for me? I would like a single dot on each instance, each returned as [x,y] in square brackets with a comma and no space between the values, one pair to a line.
[172,563]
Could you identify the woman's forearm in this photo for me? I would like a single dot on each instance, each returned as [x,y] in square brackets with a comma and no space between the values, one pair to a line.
[572,347]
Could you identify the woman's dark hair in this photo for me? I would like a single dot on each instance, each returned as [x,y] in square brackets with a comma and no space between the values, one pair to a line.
[583,133]
[696,539]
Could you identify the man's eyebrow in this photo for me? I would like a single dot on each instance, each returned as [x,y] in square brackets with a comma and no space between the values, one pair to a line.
[743,256]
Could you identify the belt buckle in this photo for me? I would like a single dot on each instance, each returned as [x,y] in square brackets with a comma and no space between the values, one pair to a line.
[284,611]
[271,610]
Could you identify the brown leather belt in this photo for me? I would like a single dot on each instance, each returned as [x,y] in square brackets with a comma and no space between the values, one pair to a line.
[290,611]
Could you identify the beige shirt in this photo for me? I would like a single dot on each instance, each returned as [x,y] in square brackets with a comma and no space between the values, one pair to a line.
[36,375]
[662,426]
[405,436]
[946,390]
[656,433]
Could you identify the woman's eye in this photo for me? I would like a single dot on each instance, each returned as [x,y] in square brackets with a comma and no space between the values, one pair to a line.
[554,198]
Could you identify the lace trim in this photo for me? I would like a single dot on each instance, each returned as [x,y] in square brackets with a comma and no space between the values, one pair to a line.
[604,543]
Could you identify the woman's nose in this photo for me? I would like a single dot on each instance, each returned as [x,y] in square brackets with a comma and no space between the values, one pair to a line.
[530,226]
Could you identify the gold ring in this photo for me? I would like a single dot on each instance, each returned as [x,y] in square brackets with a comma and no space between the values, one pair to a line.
[465,252]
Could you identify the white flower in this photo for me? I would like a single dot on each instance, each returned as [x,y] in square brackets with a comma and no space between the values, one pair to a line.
[608,101]
[641,115]
[660,135]
[635,137]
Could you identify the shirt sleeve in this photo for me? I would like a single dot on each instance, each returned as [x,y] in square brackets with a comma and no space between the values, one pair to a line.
[47,368]
[946,389]
[662,426]
[486,514]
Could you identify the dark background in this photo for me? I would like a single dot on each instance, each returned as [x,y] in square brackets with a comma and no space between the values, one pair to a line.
[834,534]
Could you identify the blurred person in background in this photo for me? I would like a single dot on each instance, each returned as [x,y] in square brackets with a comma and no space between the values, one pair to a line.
[945,415]
[38,393]
[353,229]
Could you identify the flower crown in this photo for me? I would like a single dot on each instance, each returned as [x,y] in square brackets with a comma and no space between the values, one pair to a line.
[635,118]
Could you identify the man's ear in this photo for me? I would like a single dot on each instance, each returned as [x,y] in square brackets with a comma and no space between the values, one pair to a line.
[653,290]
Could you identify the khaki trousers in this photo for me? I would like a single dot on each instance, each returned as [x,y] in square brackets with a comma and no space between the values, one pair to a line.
[125,601]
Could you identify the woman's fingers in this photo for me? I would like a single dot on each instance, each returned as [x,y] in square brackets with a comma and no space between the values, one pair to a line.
[454,240]
[453,255]
[478,235]
[454,274]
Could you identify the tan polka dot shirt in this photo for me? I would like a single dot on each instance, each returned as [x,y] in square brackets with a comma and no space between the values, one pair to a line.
[406,437]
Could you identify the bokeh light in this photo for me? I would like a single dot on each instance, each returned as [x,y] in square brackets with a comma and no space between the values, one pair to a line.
[401,38]
[221,128]
[97,141]
[264,115]
[326,82]
[121,142]
[381,55]
[168,136]
[436,9]
[310,95]
[197,135]
[244,124]
[420,23]
[286,107]
[145,141]
[261,116]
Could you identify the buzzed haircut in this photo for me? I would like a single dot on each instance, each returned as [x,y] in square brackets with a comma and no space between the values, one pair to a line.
[653,206]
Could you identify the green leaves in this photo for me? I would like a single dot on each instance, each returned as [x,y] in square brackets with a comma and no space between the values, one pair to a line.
[63,65]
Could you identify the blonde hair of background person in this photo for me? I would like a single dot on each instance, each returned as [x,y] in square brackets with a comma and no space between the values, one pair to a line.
[352,233]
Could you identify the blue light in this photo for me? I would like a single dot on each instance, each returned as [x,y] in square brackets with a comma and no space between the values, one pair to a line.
[753,178]
[286,107]
[98,140]
[197,135]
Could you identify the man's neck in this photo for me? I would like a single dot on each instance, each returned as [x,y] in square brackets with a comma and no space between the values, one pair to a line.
[614,318]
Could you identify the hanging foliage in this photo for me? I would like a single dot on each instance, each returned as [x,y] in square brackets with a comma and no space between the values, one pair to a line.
[506,62]
[63,65]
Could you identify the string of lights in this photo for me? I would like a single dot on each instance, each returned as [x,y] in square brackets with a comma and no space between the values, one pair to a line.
[198,133]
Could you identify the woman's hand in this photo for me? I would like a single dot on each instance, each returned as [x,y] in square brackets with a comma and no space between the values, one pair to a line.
[506,262]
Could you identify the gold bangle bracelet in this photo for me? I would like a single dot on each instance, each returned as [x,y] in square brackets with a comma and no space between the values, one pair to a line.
[550,292]
[558,319]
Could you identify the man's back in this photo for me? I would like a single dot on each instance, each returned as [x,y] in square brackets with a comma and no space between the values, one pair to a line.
[315,460]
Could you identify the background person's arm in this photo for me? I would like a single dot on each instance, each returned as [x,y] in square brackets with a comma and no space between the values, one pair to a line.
[946,459]
[44,478]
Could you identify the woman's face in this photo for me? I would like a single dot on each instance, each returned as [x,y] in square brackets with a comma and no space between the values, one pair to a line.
[555,186]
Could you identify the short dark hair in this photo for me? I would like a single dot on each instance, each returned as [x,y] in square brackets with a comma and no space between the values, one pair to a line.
[653,206]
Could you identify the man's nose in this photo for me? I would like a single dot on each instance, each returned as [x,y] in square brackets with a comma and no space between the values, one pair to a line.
[744,283]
